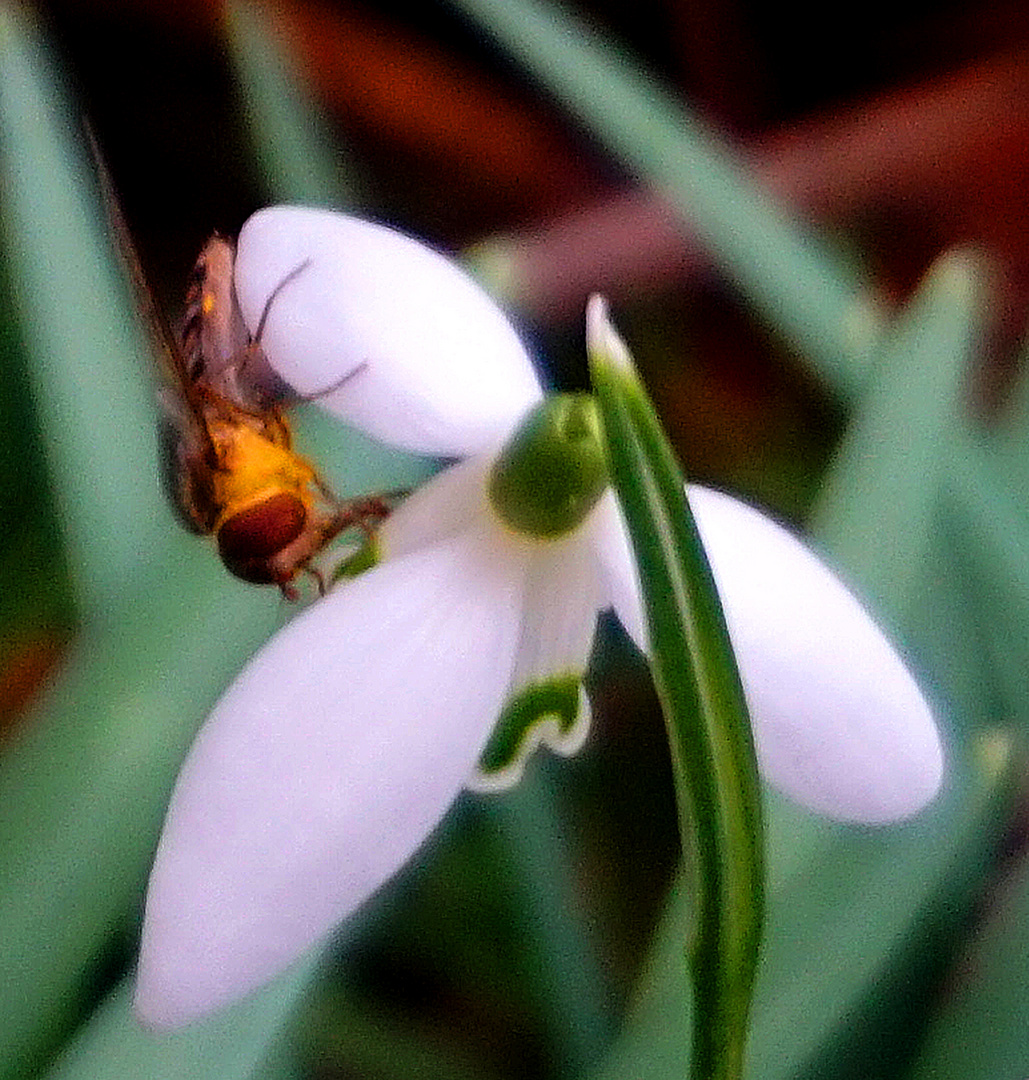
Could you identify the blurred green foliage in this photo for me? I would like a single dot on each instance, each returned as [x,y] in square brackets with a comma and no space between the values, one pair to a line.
[523,943]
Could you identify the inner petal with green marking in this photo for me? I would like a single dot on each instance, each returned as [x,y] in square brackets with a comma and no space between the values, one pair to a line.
[555,712]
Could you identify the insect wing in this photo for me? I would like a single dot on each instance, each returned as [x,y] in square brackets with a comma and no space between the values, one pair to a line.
[187,451]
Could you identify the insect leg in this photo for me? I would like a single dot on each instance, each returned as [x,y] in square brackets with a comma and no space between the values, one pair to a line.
[291,276]
[319,579]
[332,387]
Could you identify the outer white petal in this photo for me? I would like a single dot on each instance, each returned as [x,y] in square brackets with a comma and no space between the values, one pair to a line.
[451,502]
[322,770]
[441,369]
[840,724]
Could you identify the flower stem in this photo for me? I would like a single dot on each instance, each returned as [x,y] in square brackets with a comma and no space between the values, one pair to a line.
[712,749]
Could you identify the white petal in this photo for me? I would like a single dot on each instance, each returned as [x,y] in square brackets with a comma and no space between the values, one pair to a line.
[449,503]
[322,770]
[564,595]
[839,723]
[563,598]
[438,369]
[621,583]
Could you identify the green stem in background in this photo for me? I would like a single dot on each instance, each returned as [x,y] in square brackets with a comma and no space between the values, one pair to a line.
[712,749]
[299,158]
[90,383]
[802,287]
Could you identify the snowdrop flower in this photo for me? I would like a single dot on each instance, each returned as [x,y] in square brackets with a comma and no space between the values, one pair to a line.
[343,742]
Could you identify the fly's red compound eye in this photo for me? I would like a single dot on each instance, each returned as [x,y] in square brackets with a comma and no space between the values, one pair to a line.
[251,537]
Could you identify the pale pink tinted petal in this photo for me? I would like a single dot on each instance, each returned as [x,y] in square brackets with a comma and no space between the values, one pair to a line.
[839,723]
[438,369]
[322,770]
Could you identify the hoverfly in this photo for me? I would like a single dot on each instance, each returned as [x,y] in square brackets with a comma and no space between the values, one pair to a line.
[233,471]
[228,459]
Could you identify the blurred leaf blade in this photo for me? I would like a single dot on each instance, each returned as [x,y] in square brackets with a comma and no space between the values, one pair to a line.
[39,603]
[300,160]
[987,530]
[163,626]
[233,1045]
[84,790]
[979,1031]
[566,970]
[875,511]
[803,289]
[844,906]
[89,369]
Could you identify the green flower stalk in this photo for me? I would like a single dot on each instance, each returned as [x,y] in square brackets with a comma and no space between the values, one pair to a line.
[713,757]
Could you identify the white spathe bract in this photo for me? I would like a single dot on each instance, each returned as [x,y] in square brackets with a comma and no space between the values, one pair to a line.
[437,368]
[339,748]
